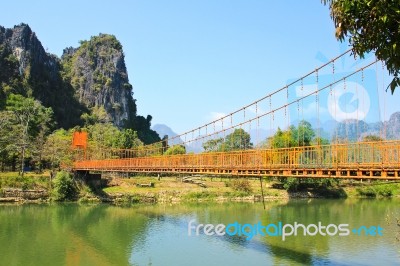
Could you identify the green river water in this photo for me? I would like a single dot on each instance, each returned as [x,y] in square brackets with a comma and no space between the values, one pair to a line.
[73,234]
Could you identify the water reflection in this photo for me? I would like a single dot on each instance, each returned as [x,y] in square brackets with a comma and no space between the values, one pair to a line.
[71,234]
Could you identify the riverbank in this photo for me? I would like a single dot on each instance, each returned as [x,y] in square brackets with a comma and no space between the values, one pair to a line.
[152,189]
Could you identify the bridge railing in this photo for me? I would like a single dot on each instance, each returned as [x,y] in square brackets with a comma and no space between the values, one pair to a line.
[360,155]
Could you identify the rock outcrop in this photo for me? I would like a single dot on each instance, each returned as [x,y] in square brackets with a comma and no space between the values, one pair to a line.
[85,82]
[99,77]
[41,75]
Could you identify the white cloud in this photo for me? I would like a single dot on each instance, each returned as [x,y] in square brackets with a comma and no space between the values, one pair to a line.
[217,117]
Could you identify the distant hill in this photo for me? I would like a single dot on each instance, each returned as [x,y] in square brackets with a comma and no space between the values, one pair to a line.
[348,130]
[164,130]
[353,130]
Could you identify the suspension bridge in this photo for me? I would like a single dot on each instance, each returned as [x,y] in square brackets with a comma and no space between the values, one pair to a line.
[317,95]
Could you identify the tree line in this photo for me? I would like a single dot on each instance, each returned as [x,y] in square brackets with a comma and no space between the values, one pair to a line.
[30,140]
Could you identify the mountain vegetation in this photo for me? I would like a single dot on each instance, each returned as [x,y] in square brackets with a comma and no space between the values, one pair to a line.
[43,99]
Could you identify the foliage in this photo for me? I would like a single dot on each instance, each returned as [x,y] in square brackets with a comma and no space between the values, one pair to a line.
[97,115]
[64,187]
[302,135]
[58,148]
[324,185]
[290,183]
[23,182]
[212,145]
[142,125]
[239,139]
[372,138]
[176,149]
[10,80]
[376,191]
[319,141]
[109,136]
[203,195]
[128,139]
[370,26]
[241,184]
[29,120]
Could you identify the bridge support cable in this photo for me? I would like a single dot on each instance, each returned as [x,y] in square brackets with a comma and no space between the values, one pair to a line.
[317,160]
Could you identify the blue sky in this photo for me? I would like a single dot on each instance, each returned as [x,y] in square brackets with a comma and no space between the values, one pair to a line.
[192,61]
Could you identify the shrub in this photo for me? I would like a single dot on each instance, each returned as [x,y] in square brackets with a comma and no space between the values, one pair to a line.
[241,184]
[64,187]
[204,195]
[385,190]
[367,192]
[17,181]
[376,191]
[290,183]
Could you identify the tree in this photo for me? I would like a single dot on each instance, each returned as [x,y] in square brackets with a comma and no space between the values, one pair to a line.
[103,135]
[128,139]
[27,113]
[10,78]
[176,149]
[9,137]
[64,187]
[303,135]
[58,148]
[282,139]
[372,138]
[44,124]
[97,115]
[212,145]
[370,26]
[238,140]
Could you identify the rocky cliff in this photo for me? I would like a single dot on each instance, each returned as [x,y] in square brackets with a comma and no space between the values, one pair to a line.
[84,82]
[353,130]
[39,75]
[97,72]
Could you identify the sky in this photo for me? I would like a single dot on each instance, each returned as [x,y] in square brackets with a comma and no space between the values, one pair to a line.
[193,61]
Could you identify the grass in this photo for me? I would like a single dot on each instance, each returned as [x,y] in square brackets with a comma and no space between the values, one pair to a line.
[379,190]
[215,187]
[28,181]
[224,187]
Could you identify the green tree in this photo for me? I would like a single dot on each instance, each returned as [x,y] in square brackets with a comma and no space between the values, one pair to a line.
[97,115]
[302,135]
[320,141]
[103,135]
[282,139]
[372,138]
[64,187]
[370,26]
[44,124]
[212,145]
[128,139]
[28,114]
[57,149]
[10,78]
[176,149]
[9,137]
[239,139]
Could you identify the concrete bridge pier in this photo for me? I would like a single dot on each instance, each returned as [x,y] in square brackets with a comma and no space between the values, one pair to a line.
[88,178]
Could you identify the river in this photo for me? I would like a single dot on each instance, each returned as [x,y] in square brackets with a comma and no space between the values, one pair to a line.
[74,234]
